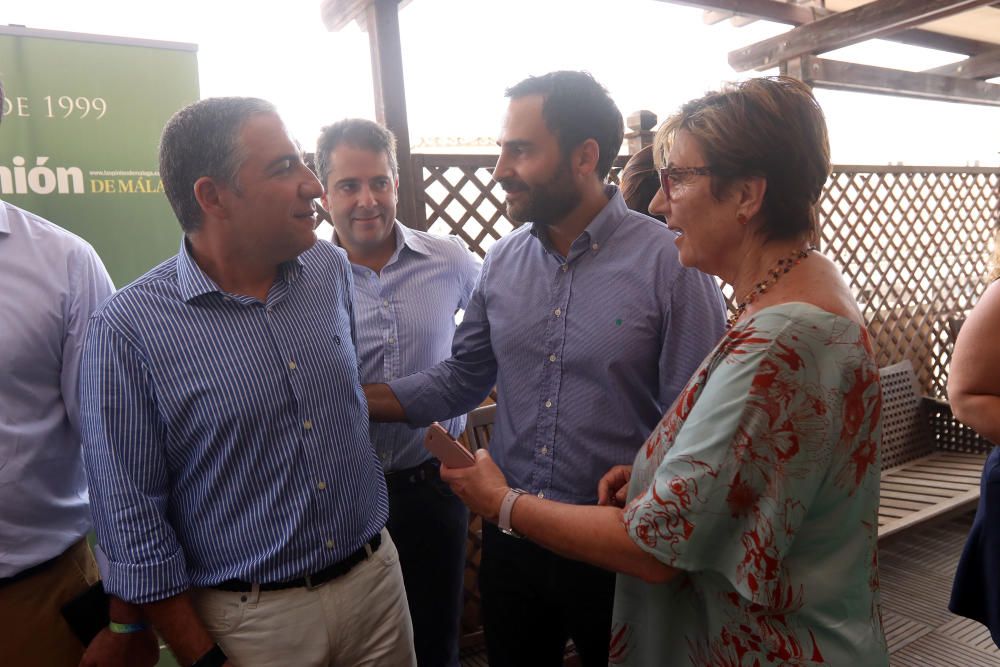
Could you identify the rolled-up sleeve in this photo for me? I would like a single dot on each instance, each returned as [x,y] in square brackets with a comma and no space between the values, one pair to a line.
[123,444]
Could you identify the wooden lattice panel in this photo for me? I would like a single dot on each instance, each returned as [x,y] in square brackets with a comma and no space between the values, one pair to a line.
[913,243]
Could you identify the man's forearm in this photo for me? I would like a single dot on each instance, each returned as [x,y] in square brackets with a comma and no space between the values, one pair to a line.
[124,612]
[383,406]
[177,622]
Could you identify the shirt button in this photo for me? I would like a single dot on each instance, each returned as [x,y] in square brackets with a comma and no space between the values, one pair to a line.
[391,340]
[386,303]
[548,404]
[557,311]
[321,485]
[336,340]
[541,494]
[565,268]
[552,357]
[307,424]
[292,366]
[596,246]
[330,544]
[545,450]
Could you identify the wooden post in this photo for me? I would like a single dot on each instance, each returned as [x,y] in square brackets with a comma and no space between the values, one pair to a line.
[382,19]
[641,124]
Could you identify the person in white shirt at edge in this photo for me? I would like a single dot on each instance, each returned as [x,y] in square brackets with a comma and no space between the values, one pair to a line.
[52,281]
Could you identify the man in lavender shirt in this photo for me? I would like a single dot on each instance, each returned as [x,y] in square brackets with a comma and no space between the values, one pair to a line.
[408,285]
[590,327]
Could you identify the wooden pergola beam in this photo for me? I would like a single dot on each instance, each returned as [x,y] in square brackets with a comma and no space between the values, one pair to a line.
[984,66]
[823,73]
[796,15]
[381,19]
[869,21]
[337,14]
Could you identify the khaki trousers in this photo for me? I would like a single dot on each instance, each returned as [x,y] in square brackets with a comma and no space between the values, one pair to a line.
[33,632]
[360,618]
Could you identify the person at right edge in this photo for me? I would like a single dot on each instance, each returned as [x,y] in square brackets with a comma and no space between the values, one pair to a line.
[974,394]
[589,327]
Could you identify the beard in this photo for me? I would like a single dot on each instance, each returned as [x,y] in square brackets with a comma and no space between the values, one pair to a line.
[546,203]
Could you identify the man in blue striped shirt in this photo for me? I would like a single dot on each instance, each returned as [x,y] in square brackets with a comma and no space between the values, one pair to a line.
[235,491]
[408,285]
[590,327]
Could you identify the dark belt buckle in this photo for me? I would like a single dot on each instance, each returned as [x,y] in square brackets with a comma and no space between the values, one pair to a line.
[310,586]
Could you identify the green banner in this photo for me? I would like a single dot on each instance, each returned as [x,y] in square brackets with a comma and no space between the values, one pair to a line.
[78,142]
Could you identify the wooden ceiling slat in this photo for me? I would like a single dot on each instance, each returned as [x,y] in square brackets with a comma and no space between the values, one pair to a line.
[868,79]
[796,15]
[869,21]
[983,66]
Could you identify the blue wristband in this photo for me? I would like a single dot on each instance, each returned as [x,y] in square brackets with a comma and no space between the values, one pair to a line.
[126,628]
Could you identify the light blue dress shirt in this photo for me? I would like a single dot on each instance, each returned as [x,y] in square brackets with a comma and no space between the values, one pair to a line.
[225,437]
[587,351]
[405,319]
[50,282]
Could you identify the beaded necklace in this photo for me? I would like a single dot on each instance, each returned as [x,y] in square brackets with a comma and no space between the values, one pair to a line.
[784,265]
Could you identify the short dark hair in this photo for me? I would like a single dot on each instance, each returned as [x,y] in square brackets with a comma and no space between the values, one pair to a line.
[771,127]
[202,139]
[357,132]
[576,108]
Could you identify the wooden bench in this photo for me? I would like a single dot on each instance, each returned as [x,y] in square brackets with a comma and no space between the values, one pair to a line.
[931,463]
[479,426]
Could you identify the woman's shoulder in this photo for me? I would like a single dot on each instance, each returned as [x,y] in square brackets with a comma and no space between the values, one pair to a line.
[801,330]
[799,311]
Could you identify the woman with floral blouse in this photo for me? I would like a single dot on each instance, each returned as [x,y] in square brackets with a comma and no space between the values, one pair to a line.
[746,530]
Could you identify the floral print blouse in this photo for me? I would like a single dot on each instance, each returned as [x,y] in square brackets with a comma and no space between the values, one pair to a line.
[761,484]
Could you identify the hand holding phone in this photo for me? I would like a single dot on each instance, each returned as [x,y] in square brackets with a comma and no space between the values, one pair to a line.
[449,451]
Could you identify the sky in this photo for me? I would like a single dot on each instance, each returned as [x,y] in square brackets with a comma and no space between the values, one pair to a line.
[459,55]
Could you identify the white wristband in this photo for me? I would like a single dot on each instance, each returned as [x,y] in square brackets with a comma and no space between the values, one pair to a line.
[506,507]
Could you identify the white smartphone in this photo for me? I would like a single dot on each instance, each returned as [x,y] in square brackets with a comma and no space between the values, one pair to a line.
[449,451]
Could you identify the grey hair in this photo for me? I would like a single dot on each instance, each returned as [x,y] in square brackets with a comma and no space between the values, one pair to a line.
[202,139]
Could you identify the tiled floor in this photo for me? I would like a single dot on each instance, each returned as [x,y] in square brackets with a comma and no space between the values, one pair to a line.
[916,569]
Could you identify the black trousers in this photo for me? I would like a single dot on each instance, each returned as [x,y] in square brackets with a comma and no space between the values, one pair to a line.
[429,525]
[534,600]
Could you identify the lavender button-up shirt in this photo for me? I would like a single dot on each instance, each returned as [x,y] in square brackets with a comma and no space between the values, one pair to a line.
[587,351]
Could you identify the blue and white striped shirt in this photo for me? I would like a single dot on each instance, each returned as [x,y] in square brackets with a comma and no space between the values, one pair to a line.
[405,319]
[227,437]
[587,351]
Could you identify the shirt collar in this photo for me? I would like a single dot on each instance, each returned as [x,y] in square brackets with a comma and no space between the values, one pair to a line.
[405,238]
[410,239]
[4,222]
[193,282]
[602,226]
